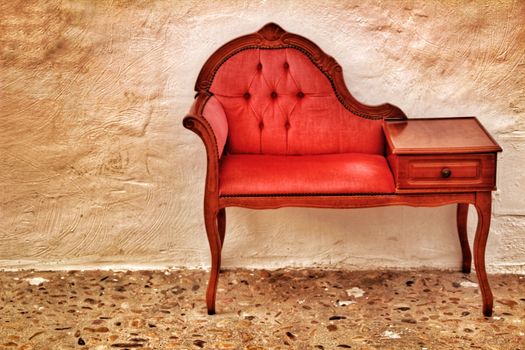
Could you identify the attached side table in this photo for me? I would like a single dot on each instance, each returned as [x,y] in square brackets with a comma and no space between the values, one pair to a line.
[449,156]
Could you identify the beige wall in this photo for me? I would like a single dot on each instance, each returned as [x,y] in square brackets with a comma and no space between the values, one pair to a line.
[96,169]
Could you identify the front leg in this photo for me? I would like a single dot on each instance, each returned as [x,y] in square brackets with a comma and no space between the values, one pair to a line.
[484,207]
[214,239]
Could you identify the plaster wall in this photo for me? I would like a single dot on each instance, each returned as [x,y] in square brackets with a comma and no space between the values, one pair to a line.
[97,171]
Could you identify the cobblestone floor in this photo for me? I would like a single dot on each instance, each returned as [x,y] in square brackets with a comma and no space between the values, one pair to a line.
[283,309]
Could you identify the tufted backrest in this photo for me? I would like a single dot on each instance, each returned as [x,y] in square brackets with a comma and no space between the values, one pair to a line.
[278,102]
[281,94]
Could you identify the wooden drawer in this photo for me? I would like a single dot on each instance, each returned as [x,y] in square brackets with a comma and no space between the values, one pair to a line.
[455,171]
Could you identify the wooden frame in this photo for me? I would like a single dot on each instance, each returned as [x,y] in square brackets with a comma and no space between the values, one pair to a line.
[271,36]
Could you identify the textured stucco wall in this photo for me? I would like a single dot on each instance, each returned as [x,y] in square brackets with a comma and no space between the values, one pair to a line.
[96,169]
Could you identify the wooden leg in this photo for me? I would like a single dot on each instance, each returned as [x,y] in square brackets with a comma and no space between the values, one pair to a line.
[221,222]
[461,215]
[212,230]
[483,207]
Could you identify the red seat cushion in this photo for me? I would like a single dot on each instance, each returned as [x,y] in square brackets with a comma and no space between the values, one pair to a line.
[343,173]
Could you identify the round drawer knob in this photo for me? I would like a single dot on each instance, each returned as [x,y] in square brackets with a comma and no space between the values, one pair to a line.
[445,173]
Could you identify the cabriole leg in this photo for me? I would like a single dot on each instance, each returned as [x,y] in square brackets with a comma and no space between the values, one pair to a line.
[212,230]
[483,207]
[221,222]
[461,215]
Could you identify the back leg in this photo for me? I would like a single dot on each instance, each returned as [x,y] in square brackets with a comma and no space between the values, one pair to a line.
[461,215]
[221,223]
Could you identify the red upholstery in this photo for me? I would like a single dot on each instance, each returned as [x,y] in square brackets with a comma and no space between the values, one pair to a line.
[278,102]
[344,173]
[214,114]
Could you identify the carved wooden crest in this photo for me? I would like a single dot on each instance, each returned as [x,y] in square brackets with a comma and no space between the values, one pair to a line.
[272,36]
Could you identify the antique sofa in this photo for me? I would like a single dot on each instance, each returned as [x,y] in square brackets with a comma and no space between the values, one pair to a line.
[281,129]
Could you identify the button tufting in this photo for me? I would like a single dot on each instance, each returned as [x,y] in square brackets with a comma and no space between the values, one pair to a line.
[261,125]
[286,65]
[246,95]
[287,125]
[273,94]
[300,94]
[259,66]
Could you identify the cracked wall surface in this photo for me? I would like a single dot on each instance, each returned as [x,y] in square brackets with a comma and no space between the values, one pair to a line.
[96,169]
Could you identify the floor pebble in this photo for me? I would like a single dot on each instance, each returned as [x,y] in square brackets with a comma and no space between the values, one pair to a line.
[257,310]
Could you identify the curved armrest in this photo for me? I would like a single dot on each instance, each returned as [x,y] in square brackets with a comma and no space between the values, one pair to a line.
[213,131]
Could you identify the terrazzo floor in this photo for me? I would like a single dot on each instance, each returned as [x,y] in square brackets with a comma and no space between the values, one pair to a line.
[283,309]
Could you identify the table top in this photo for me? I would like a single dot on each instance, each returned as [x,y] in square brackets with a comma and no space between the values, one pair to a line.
[438,136]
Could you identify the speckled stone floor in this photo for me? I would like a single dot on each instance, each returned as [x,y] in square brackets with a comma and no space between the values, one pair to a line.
[283,309]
